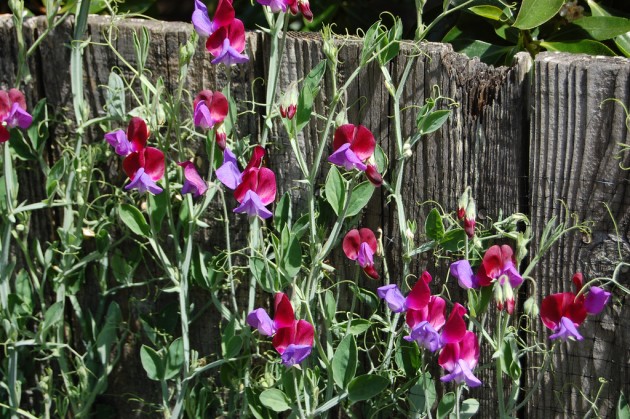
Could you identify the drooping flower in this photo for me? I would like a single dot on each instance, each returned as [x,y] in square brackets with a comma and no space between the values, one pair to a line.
[293,339]
[459,359]
[223,16]
[360,245]
[12,113]
[193,183]
[354,149]
[210,109]
[564,312]
[143,165]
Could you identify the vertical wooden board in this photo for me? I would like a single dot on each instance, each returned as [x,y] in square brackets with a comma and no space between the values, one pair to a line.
[574,170]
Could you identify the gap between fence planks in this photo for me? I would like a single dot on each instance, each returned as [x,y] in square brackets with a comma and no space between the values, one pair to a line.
[567,152]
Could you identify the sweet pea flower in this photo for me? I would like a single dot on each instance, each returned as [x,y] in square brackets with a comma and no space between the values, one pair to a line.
[210,109]
[227,44]
[303,6]
[459,359]
[360,245]
[223,16]
[564,312]
[462,271]
[193,183]
[353,149]
[143,165]
[292,339]
[275,6]
[12,113]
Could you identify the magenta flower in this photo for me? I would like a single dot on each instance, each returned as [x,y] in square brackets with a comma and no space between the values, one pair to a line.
[227,44]
[12,113]
[303,6]
[498,269]
[255,192]
[143,165]
[293,339]
[360,245]
[288,103]
[211,108]
[565,312]
[223,16]
[193,183]
[275,5]
[353,149]
[459,359]
[425,314]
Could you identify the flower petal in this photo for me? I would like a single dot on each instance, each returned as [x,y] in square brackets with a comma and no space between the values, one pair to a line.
[462,271]
[419,296]
[253,206]
[283,316]
[200,19]
[228,174]
[154,164]
[137,133]
[192,181]
[351,243]
[143,183]
[393,297]
[346,158]
[363,143]
[595,300]
[295,354]
[455,327]
[566,329]
[118,140]
[260,320]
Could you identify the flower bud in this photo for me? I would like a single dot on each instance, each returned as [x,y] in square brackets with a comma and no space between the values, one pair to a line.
[305,9]
[373,175]
[407,153]
[221,138]
[508,296]
[462,203]
[498,295]
[469,221]
[288,103]
[531,308]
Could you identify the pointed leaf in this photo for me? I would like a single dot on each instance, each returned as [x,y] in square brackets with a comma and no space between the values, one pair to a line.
[534,13]
[152,363]
[434,227]
[365,387]
[133,218]
[335,190]
[275,400]
[361,195]
[446,405]
[344,362]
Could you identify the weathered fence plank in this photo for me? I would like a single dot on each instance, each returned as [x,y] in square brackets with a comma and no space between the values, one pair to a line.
[574,169]
[567,151]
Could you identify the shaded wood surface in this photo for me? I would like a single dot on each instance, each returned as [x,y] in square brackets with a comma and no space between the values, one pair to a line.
[566,153]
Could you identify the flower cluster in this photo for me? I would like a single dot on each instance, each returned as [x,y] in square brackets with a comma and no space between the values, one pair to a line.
[564,312]
[425,316]
[361,245]
[12,113]
[143,165]
[254,188]
[276,6]
[226,34]
[293,339]
[353,148]
[498,269]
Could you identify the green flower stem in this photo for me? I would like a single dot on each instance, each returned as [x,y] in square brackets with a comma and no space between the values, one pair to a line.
[423,34]
[458,396]
[390,344]
[14,402]
[228,251]
[501,326]
[296,388]
[281,23]
[539,378]
[357,273]
[254,243]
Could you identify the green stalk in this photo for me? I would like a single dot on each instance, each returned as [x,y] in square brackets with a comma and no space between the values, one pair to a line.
[13,368]
[498,368]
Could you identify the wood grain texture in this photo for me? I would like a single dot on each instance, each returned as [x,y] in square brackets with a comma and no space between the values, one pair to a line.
[568,152]
[574,169]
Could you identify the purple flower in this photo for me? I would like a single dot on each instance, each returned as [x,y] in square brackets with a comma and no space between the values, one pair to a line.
[393,297]
[118,139]
[201,21]
[464,274]
[228,174]
[143,183]
[295,354]
[425,336]
[261,321]
[595,300]
[252,205]
[345,157]
[275,5]
[566,329]
[193,183]
[18,117]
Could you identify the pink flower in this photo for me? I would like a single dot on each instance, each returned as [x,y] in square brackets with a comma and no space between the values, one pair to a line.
[227,44]
[223,16]
[275,5]
[360,245]
[293,339]
[211,108]
[353,148]
[193,183]
[565,312]
[459,359]
[303,6]
[12,113]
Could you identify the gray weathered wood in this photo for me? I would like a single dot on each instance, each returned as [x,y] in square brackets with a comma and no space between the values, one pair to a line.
[574,169]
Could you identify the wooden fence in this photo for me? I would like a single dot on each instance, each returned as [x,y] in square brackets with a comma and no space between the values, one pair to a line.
[538,137]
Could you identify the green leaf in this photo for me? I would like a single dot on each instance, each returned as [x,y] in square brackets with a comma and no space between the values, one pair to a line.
[115,99]
[344,362]
[314,78]
[233,347]
[361,195]
[408,357]
[446,405]
[487,11]
[366,386]
[390,45]
[174,359]
[19,147]
[453,240]
[134,220]
[282,214]
[152,363]
[292,260]
[585,46]
[53,315]
[275,400]
[157,208]
[468,409]
[534,13]
[622,41]
[434,121]
[310,89]
[357,326]
[331,306]
[107,335]
[38,131]
[623,410]
[434,227]
[335,190]
[601,28]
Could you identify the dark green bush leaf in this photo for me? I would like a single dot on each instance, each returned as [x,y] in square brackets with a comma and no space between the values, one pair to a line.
[365,387]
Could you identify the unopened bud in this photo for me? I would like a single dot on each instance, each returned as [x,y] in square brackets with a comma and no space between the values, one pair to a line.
[20,227]
[88,233]
[498,295]
[373,175]
[288,103]
[305,8]
[471,214]
[379,242]
[407,153]
[531,308]
[508,296]
[462,203]
[221,138]
[409,234]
